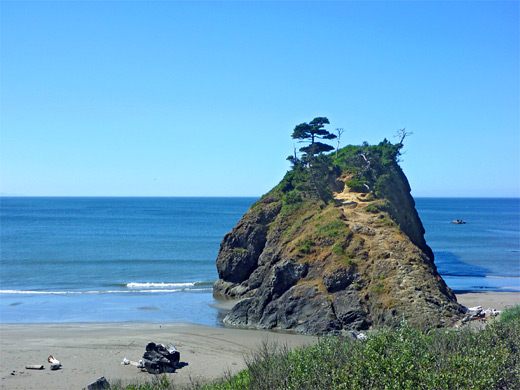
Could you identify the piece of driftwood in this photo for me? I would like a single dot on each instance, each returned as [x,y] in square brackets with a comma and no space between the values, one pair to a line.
[34,367]
[55,363]
[477,313]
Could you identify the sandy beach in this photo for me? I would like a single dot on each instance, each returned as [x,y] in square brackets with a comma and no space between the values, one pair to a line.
[91,350]
[88,351]
[494,300]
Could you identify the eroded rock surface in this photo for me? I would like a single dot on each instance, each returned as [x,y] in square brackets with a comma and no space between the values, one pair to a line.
[356,263]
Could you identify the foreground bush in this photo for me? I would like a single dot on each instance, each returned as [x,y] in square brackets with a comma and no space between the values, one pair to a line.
[392,359]
[405,358]
[510,314]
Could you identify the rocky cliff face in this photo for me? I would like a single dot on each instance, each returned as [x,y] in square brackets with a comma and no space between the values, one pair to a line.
[356,263]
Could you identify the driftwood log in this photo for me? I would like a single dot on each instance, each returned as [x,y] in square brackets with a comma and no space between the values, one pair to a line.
[34,367]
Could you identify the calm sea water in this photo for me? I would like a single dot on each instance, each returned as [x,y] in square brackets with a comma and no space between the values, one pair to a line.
[153,259]
[483,254]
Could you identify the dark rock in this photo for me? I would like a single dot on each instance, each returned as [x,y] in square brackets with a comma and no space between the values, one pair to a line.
[239,257]
[301,309]
[338,279]
[363,230]
[282,276]
[325,268]
[349,310]
[99,384]
[160,359]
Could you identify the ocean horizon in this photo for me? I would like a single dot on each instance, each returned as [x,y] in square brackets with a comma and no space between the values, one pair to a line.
[119,259]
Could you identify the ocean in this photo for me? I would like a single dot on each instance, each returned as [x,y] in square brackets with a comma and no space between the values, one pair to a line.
[153,259]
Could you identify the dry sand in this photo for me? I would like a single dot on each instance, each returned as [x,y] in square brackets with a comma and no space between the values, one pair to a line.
[494,300]
[89,351]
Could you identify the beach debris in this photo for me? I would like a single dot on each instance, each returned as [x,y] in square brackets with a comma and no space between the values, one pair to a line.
[99,384]
[159,359]
[127,362]
[34,367]
[55,363]
[477,313]
[492,312]
[361,336]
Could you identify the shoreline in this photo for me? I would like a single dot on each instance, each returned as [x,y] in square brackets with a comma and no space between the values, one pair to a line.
[90,350]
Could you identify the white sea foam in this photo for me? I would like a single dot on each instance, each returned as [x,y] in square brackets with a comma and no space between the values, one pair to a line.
[32,292]
[135,285]
[133,291]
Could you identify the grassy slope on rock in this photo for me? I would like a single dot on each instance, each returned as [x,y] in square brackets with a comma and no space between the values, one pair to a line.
[318,233]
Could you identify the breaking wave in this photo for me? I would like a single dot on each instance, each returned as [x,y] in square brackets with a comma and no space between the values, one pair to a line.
[127,288]
[161,285]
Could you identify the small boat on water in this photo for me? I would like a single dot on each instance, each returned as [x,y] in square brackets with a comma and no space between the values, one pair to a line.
[458,222]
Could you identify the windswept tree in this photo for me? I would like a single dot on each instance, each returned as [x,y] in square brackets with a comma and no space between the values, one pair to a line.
[310,133]
[402,134]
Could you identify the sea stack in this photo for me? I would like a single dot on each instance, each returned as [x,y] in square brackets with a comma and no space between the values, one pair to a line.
[336,246]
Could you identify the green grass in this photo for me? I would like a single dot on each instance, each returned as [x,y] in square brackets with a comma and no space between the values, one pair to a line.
[305,246]
[332,229]
[510,314]
[405,358]
[378,288]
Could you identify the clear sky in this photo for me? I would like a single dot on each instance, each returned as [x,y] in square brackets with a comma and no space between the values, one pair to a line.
[200,98]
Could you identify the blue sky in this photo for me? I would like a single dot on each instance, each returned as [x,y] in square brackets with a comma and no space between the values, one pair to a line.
[200,98]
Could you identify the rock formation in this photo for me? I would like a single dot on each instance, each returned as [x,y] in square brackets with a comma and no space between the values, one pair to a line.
[355,261]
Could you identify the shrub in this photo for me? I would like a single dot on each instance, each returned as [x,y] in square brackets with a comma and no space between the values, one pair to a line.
[375,208]
[305,246]
[510,314]
[405,358]
[291,197]
[357,185]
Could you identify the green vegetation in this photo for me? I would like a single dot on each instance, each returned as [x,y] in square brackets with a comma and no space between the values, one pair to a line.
[404,358]
[377,208]
[332,229]
[385,220]
[311,165]
[378,288]
[510,314]
[305,246]
[310,132]
[357,184]
[370,168]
